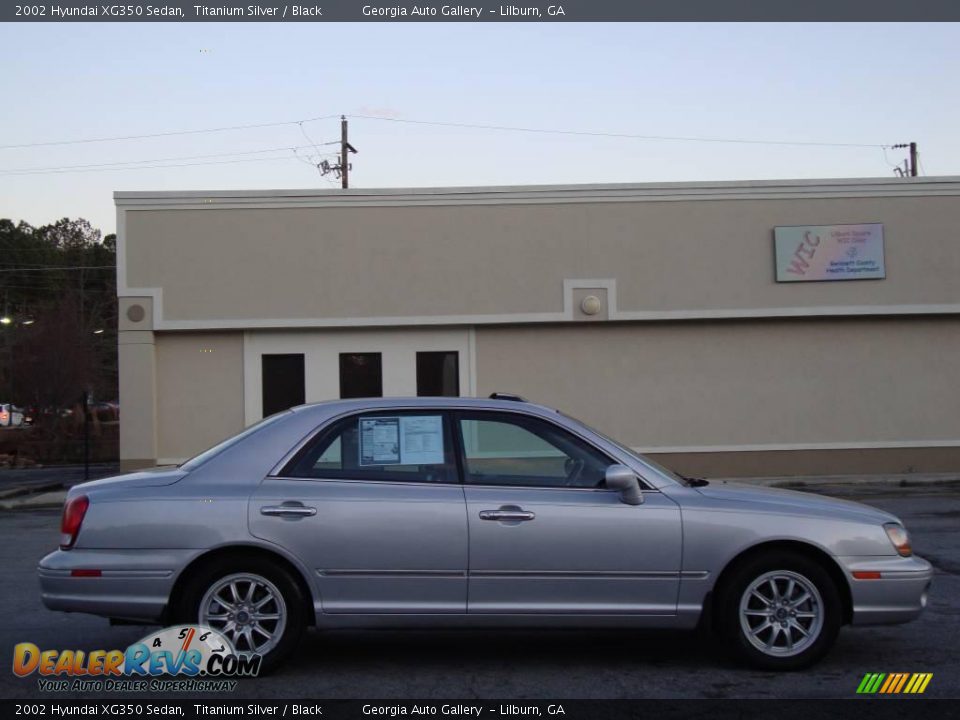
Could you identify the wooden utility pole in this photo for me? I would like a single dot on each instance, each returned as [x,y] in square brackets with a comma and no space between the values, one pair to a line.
[344,160]
[345,149]
[913,162]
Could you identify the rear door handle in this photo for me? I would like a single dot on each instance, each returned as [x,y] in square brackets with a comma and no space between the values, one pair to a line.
[516,515]
[288,510]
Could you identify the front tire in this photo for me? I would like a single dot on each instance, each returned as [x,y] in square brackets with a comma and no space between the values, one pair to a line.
[780,611]
[253,603]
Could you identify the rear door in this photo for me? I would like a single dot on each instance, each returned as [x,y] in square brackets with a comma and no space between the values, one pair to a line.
[374,507]
[546,536]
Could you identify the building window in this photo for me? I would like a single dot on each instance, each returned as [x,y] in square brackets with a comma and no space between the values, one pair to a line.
[361,375]
[282,382]
[438,374]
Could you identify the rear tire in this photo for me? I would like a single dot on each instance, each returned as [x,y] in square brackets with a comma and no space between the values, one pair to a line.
[779,611]
[256,605]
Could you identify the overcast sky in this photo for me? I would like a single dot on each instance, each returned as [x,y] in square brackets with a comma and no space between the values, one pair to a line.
[861,84]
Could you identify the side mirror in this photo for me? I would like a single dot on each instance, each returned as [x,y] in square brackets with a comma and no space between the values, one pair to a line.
[622,478]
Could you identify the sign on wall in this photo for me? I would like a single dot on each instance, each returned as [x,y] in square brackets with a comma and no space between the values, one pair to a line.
[829,252]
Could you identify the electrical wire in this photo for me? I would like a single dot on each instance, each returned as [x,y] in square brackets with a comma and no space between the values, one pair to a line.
[584,133]
[165,134]
[153,167]
[16,171]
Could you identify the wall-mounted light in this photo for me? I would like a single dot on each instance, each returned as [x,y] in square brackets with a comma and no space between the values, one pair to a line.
[5,320]
[98,332]
[591,305]
[29,322]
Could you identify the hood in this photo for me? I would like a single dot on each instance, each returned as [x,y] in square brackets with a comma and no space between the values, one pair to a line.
[153,477]
[794,502]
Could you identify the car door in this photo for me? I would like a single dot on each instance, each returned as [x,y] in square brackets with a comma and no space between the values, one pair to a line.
[374,507]
[546,537]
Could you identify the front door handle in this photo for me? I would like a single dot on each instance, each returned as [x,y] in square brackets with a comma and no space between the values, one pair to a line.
[507,514]
[288,510]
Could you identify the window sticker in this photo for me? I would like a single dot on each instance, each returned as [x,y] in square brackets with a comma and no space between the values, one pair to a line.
[402,440]
[421,440]
[380,441]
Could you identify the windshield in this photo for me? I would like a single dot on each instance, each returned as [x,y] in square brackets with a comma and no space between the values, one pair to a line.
[198,460]
[634,454]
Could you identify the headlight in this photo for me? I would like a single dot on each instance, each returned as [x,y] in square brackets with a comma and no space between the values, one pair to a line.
[900,538]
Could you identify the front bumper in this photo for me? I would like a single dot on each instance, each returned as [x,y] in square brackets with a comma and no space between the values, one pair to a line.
[133,584]
[898,596]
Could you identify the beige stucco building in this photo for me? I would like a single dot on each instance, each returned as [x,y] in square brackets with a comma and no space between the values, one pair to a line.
[653,312]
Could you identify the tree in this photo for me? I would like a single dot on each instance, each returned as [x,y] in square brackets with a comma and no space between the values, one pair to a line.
[58,286]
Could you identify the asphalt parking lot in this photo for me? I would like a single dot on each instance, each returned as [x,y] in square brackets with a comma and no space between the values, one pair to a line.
[535,665]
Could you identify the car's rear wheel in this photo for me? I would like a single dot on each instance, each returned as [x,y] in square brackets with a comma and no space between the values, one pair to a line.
[780,611]
[256,605]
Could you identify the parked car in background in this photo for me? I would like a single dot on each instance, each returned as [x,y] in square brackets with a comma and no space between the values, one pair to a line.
[10,416]
[462,512]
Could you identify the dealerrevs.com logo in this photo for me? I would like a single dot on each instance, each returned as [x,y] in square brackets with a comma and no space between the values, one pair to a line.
[199,658]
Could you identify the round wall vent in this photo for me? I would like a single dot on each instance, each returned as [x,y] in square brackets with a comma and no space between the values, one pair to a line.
[136,313]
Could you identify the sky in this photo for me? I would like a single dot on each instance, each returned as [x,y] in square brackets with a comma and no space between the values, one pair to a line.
[870,84]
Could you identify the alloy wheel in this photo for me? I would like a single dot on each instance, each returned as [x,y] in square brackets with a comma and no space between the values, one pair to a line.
[248,609]
[781,613]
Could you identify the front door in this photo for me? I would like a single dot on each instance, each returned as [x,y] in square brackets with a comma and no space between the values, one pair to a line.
[373,506]
[546,537]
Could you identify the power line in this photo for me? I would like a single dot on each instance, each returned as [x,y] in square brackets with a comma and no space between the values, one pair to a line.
[27,171]
[152,167]
[585,133]
[166,134]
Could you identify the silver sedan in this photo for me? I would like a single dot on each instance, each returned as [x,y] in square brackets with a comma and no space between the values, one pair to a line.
[454,512]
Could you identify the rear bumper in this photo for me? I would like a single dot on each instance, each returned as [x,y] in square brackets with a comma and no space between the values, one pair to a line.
[898,596]
[133,584]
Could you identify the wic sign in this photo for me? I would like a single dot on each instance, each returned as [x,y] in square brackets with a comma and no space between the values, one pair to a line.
[829,252]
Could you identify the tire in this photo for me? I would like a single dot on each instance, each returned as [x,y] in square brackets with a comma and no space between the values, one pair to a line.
[275,634]
[777,635]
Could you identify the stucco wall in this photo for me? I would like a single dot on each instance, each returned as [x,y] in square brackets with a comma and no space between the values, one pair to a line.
[199,391]
[739,385]
[290,263]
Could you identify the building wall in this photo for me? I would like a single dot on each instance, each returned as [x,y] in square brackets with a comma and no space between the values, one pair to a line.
[497,261]
[695,353]
[199,397]
[761,397]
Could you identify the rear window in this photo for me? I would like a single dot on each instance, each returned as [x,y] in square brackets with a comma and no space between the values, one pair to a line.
[198,460]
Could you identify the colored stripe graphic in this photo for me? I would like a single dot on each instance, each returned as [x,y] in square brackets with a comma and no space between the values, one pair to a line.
[894,683]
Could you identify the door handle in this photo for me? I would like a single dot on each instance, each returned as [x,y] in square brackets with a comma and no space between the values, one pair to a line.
[516,515]
[288,510]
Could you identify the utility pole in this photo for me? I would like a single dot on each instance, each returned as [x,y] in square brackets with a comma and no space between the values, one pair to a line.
[345,149]
[344,164]
[913,162]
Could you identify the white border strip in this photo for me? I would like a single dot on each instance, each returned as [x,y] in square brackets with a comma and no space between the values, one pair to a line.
[609,192]
[780,447]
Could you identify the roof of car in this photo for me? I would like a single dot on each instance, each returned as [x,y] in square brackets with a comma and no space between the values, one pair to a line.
[495,403]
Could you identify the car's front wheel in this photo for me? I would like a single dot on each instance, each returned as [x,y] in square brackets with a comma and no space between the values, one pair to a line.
[780,611]
[256,605]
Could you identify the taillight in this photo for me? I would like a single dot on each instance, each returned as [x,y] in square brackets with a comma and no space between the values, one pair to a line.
[73,513]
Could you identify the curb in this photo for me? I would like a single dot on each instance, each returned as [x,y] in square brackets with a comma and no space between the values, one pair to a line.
[901,480]
[40,501]
[22,490]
